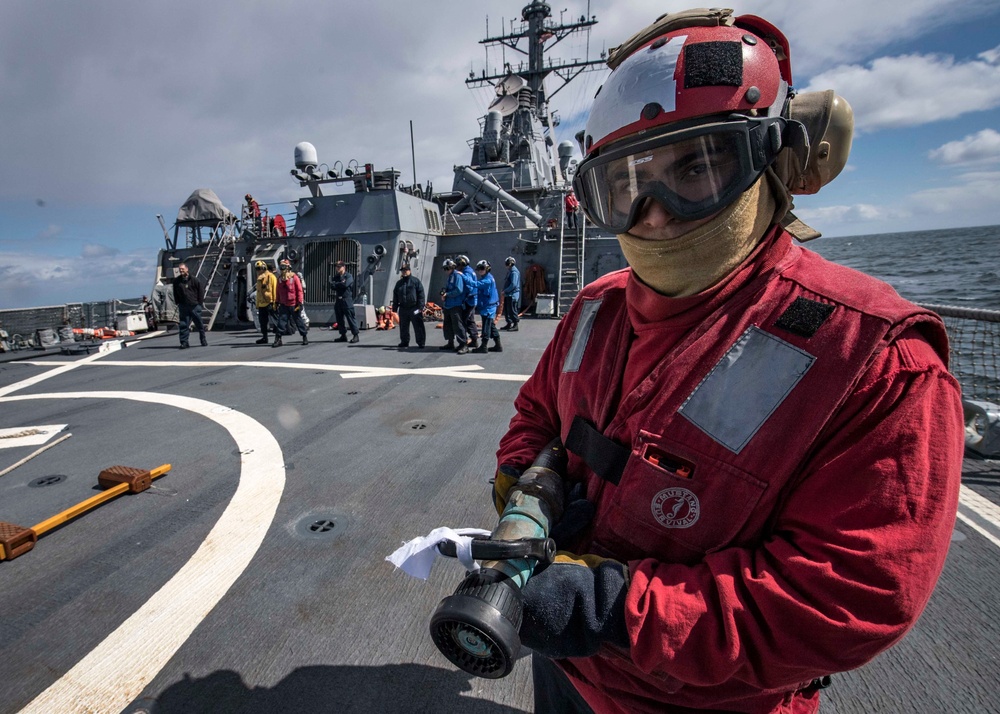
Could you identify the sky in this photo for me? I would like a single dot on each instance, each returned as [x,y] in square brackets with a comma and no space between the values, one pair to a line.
[114,111]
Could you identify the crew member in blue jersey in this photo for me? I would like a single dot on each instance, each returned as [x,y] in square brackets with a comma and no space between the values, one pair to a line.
[511,295]
[487,300]
[469,308]
[454,309]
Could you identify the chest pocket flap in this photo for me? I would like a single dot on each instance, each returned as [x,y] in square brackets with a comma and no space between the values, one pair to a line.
[675,504]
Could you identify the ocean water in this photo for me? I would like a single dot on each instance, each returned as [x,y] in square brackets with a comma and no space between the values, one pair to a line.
[956,266]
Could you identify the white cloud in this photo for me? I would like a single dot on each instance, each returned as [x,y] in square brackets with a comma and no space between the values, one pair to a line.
[50,231]
[856,213]
[99,273]
[991,56]
[975,193]
[969,200]
[820,34]
[981,147]
[108,116]
[910,90]
[117,116]
[96,250]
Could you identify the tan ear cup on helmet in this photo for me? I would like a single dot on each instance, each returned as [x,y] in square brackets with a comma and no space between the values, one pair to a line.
[829,122]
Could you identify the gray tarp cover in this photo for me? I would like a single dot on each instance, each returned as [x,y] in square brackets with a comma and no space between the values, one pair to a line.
[203,206]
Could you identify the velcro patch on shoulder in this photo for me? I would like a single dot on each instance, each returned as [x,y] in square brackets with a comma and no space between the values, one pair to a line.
[713,64]
[804,317]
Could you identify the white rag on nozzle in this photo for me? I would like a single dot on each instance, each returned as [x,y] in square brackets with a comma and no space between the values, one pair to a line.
[416,557]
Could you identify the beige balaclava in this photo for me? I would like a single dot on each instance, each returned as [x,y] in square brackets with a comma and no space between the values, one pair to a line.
[699,259]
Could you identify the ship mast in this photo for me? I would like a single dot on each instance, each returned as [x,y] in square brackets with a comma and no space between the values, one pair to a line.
[541,34]
[515,153]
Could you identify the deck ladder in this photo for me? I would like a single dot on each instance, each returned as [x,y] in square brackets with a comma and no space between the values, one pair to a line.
[571,261]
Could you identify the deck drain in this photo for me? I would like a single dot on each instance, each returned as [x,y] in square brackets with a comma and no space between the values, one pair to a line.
[293,358]
[415,426]
[353,393]
[209,384]
[46,481]
[321,526]
[463,381]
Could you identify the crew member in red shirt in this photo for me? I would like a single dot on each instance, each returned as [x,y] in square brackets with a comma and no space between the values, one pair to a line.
[766,447]
[291,297]
[572,205]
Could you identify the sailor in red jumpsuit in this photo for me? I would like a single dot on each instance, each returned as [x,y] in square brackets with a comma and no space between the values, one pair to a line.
[769,444]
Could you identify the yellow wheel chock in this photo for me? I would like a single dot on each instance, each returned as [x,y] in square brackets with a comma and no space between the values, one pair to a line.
[16,540]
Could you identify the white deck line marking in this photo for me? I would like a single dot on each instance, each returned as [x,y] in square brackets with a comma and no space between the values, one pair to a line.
[979,529]
[466,371]
[115,672]
[982,507]
[455,372]
[62,368]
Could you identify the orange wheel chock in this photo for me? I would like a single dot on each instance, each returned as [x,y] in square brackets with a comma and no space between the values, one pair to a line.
[16,540]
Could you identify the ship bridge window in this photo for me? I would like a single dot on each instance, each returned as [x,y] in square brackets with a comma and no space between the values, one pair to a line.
[320,257]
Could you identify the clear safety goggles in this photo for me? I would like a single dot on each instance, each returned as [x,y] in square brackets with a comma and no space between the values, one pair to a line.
[693,172]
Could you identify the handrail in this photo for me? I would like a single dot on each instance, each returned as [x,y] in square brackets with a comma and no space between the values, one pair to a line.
[963,313]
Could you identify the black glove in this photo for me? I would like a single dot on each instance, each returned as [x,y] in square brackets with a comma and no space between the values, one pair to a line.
[578,512]
[574,606]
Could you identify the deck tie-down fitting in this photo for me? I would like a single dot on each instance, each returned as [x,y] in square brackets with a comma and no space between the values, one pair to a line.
[16,540]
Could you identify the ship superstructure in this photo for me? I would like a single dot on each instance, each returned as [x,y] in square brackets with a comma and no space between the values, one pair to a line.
[508,200]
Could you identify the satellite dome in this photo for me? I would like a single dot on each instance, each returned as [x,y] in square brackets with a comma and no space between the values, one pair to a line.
[305,156]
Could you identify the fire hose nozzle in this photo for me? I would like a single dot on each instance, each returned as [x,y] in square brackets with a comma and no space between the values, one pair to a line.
[476,628]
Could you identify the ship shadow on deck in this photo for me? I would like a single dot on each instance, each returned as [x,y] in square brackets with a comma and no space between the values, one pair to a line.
[386,688]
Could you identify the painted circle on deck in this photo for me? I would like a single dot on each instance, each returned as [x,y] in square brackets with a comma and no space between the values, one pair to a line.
[116,671]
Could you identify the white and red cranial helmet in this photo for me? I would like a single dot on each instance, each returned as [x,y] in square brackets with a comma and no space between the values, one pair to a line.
[689,73]
[693,113]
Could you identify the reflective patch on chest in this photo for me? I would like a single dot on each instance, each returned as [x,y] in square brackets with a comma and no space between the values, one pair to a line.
[581,336]
[676,508]
[750,381]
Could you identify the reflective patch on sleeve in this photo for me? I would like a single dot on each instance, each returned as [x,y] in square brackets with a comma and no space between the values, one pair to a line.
[750,381]
[584,325]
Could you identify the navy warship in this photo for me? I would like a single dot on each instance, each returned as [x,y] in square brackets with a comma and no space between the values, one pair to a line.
[249,575]
[507,201]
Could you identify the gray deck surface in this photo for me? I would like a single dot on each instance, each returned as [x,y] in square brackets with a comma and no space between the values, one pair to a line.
[320,622]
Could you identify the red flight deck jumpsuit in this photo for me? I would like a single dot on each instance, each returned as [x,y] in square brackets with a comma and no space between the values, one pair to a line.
[791,451]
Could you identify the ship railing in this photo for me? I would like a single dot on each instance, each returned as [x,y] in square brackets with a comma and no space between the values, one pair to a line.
[974,345]
[452,222]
